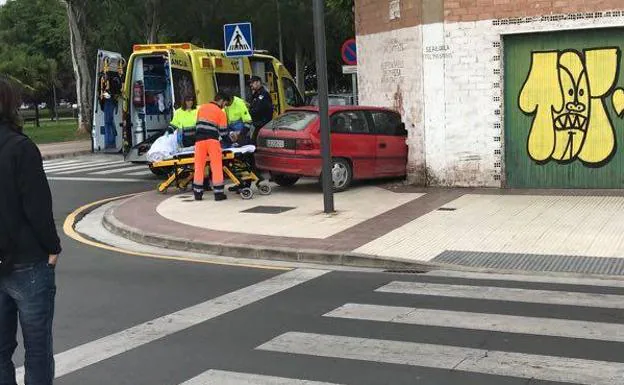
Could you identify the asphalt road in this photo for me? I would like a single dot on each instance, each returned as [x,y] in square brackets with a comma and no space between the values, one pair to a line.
[130,320]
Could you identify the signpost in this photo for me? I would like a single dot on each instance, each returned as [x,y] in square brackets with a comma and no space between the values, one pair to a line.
[318,9]
[349,56]
[238,41]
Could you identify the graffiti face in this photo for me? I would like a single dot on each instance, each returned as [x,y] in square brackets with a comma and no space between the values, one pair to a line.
[565,92]
[570,123]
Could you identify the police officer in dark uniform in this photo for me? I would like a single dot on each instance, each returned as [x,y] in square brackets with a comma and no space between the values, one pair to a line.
[261,107]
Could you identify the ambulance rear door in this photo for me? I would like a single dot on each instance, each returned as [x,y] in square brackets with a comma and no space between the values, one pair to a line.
[108,102]
[181,76]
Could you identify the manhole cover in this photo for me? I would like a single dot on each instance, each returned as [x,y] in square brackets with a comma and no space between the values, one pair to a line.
[268,210]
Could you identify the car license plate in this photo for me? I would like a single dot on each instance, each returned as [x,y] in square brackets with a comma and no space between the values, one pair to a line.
[275,143]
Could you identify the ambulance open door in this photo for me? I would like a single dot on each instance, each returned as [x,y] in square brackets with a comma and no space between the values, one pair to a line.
[108,102]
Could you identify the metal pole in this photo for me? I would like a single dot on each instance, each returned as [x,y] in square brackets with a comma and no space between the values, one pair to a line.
[279,32]
[354,88]
[321,77]
[241,77]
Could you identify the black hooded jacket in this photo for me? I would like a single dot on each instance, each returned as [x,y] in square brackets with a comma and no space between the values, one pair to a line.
[26,200]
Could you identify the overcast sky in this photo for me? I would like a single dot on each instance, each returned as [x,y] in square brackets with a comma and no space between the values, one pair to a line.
[2,2]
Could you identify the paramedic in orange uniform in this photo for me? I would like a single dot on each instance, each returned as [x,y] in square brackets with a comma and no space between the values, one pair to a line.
[211,125]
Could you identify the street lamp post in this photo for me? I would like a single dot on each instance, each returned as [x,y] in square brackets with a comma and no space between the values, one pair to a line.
[318,8]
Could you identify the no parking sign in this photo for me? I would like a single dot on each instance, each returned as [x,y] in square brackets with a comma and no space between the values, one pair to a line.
[349,52]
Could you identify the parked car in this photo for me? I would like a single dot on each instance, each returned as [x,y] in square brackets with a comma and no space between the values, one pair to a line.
[366,143]
[333,99]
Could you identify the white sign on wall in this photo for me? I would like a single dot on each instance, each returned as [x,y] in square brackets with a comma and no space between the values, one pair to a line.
[395,9]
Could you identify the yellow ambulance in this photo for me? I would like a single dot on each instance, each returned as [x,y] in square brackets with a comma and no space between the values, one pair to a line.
[156,78]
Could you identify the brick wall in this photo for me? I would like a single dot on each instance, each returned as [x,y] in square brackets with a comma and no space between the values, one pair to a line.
[446,77]
[473,10]
[373,16]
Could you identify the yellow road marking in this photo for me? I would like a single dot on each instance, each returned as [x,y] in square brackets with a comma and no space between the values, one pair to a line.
[70,221]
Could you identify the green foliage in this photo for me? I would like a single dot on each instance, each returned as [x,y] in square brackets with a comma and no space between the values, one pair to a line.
[52,132]
[35,44]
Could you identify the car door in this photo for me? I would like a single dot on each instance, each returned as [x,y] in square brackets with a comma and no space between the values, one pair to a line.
[391,145]
[353,139]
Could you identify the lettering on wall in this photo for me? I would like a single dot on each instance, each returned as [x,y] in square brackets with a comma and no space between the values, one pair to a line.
[566,92]
[435,52]
[391,70]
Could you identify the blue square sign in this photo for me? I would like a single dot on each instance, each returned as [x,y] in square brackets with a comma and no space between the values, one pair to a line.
[238,40]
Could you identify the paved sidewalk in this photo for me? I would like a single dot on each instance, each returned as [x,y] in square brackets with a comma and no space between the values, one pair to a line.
[540,230]
[65,149]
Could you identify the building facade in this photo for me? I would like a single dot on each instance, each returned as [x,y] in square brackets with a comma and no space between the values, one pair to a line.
[500,93]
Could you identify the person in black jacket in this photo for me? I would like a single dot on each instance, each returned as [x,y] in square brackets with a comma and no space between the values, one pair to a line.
[32,246]
[261,107]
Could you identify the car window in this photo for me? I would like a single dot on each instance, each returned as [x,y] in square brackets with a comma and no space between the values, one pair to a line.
[387,123]
[293,120]
[349,122]
[293,98]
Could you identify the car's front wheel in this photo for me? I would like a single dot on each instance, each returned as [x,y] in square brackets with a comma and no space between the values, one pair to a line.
[342,174]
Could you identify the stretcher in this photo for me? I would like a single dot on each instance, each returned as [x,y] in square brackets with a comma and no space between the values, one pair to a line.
[236,167]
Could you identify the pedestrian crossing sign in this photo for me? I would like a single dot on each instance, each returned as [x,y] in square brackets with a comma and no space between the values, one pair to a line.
[238,39]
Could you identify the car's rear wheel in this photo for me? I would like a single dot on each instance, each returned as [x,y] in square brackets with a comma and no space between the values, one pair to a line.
[342,174]
[285,180]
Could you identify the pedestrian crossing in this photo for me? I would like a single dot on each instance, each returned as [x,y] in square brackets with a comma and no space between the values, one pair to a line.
[96,168]
[577,298]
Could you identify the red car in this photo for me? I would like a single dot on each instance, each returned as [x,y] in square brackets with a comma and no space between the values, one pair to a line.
[366,143]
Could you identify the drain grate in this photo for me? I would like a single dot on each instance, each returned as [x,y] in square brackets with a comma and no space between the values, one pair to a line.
[534,262]
[268,210]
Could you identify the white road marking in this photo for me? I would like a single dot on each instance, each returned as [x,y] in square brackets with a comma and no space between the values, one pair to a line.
[221,377]
[88,169]
[550,297]
[134,337]
[482,321]
[539,367]
[60,163]
[81,166]
[119,170]
[527,278]
[140,173]
[81,179]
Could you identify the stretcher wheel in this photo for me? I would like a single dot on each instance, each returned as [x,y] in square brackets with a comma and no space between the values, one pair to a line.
[246,193]
[264,189]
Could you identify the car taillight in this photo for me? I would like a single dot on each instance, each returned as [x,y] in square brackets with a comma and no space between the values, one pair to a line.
[305,144]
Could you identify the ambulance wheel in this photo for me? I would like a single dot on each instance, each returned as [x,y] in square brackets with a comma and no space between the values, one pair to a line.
[264,189]
[161,172]
[246,193]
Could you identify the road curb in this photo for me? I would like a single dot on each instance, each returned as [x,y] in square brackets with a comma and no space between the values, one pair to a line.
[112,224]
[65,155]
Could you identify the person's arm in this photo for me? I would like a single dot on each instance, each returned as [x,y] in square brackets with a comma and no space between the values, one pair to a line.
[246,116]
[36,198]
[223,124]
[267,106]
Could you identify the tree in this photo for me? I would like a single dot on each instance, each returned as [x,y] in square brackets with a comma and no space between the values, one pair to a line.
[76,16]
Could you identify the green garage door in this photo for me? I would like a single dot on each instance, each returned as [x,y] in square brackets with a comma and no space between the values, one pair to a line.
[564,103]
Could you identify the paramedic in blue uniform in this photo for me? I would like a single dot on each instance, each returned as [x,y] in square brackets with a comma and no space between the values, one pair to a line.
[261,107]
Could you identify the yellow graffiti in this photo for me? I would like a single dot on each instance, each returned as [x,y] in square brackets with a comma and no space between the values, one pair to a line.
[565,92]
